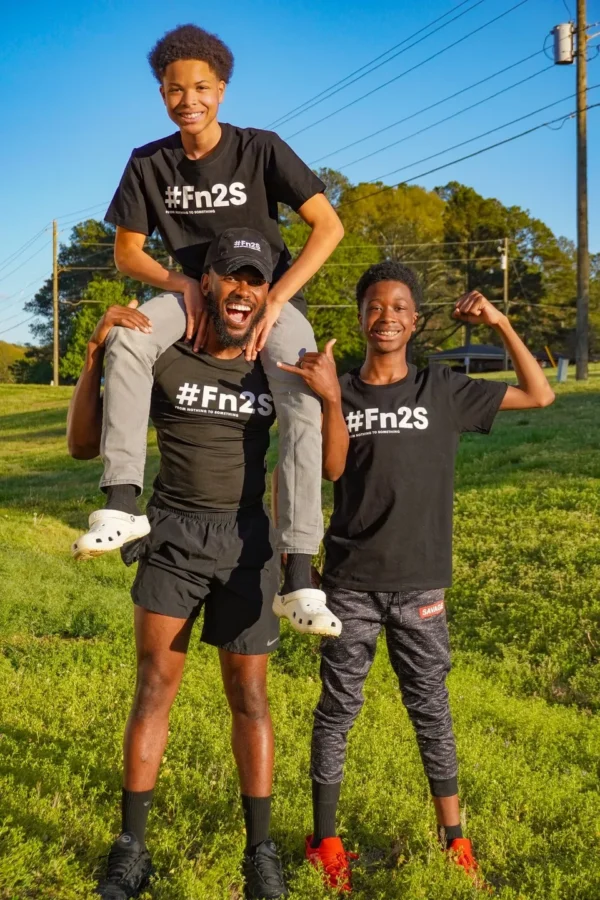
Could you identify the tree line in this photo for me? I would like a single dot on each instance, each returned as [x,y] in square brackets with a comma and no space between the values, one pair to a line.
[451,235]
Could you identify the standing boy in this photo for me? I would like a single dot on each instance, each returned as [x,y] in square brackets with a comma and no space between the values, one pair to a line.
[389,544]
[191,186]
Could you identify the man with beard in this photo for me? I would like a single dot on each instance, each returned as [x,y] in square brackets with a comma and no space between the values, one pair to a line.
[210,546]
[191,186]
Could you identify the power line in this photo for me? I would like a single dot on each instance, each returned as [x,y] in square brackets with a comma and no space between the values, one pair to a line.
[11,258]
[341,86]
[18,325]
[10,318]
[415,261]
[24,263]
[514,137]
[427,108]
[538,304]
[15,255]
[447,118]
[76,212]
[24,288]
[566,6]
[411,69]
[479,136]
[383,245]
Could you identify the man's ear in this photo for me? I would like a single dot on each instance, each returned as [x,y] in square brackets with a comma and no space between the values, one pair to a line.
[415,320]
[205,282]
[221,89]
[162,94]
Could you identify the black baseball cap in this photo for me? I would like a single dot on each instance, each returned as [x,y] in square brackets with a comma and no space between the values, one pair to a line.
[238,247]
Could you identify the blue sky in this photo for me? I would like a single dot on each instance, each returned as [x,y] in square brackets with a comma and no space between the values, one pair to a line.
[78,96]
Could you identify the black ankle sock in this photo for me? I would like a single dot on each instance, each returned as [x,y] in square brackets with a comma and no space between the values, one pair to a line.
[123,498]
[257,816]
[448,833]
[135,806]
[325,802]
[297,572]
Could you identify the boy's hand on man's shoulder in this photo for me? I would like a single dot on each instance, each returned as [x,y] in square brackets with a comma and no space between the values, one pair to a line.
[475,309]
[259,336]
[196,313]
[125,316]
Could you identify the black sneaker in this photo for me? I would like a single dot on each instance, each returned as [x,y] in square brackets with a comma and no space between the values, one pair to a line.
[263,873]
[128,870]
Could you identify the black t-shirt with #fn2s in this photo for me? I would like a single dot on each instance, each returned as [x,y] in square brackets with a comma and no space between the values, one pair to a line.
[212,419]
[238,184]
[391,527]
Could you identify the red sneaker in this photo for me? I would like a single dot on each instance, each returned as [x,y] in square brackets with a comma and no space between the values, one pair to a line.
[334,862]
[460,852]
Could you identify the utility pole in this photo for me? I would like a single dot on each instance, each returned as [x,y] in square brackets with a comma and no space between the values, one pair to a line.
[55,302]
[583,254]
[504,265]
[564,54]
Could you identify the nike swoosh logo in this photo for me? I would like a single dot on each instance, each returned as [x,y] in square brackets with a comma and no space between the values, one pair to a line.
[274,641]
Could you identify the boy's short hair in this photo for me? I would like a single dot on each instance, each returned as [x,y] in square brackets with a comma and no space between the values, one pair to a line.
[390,270]
[191,42]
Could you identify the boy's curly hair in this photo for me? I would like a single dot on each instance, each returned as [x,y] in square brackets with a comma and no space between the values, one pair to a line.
[191,42]
[390,270]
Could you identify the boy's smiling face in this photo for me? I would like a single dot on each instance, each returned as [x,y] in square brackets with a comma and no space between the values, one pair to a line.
[192,93]
[388,316]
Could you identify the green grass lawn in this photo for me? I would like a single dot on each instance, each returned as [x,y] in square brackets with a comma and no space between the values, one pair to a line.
[525,617]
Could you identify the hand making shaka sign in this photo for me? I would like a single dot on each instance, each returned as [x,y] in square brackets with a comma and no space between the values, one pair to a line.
[318,371]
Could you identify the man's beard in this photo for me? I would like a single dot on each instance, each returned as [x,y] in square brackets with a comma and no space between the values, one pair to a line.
[225,338]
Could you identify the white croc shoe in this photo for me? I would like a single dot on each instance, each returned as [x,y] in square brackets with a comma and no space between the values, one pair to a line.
[307,612]
[109,530]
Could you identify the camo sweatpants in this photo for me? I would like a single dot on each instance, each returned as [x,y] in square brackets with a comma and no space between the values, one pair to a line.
[417,638]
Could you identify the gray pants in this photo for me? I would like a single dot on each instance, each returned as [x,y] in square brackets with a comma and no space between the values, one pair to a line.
[129,360]
[417,640]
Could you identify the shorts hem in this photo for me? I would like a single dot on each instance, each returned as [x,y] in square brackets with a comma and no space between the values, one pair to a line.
[230,648]
[161,612]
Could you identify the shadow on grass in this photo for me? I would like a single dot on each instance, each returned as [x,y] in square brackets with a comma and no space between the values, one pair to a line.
[40,419]
[66,489]
[26,437]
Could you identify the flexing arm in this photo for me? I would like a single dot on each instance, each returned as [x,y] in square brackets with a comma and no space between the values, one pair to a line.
[326,233]
[84,418]
[132,260]
[533,390]
[318,371]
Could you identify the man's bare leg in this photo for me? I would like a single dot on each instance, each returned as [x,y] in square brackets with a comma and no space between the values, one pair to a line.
[161,644]
[245,683]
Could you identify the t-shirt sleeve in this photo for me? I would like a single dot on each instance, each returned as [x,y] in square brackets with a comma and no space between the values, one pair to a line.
[474,401]
[288,179]
[129,207]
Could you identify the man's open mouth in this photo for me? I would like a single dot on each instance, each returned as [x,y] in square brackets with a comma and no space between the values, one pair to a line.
[238,313]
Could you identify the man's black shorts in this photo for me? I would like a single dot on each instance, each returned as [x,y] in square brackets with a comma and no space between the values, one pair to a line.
[222,561]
